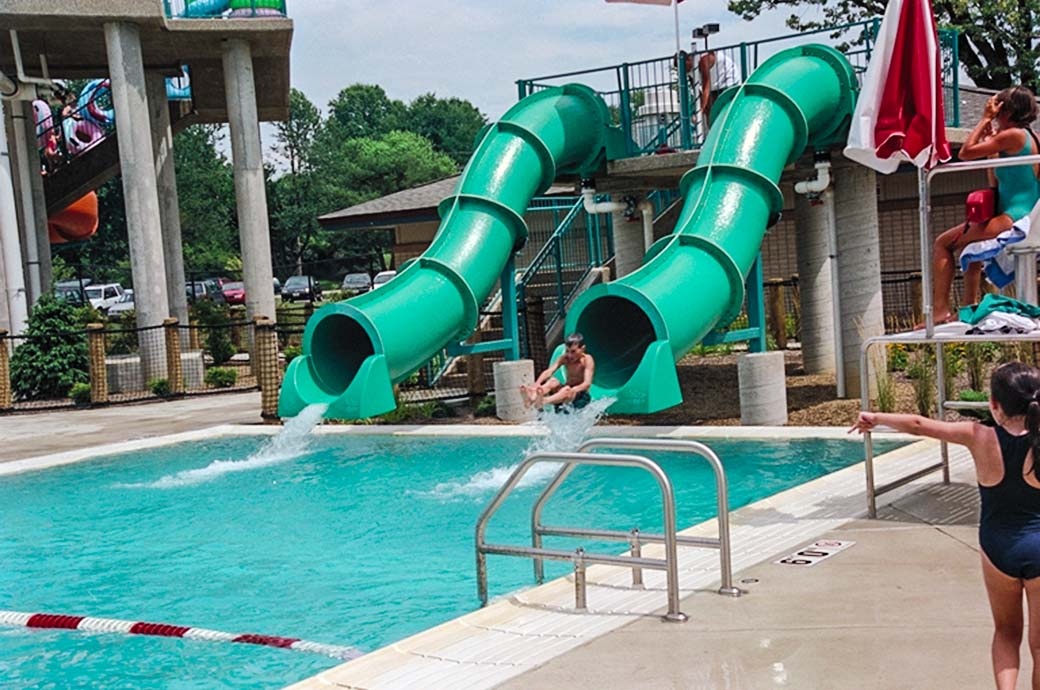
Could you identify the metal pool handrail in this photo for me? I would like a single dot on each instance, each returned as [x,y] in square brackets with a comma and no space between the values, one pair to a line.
[722,543]
[580,558]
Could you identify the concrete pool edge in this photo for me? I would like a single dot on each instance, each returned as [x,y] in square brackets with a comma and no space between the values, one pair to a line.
[48,461]
[483,648]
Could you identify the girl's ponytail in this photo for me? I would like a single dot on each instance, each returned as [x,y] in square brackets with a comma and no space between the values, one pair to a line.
[1033,430]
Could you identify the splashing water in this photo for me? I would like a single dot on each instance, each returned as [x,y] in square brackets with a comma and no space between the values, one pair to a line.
[291,442]
[565,433]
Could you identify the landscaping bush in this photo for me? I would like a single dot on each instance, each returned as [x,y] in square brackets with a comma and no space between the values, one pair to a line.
[55,355]
[80,393]
[921,371]
[976,396]
[485,408]
[214,318]
[291,352]
[221,377]
[160,387]
[123,341]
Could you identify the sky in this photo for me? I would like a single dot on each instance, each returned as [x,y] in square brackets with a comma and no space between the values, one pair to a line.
[477,49]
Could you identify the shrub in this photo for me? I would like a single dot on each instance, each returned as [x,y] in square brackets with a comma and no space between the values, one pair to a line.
[80,393]
[160,387]
[921,370]
[214,318]
[485,408]
[976,396]
[976,357]
[54,357]
[291,352]
[221,377]
[123,341]
[898,357]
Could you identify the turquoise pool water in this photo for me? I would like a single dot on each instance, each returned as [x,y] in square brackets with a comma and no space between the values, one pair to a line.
[361,540]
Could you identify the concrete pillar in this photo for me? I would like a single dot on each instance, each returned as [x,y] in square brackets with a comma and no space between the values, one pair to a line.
[24,164]
[40,231]
[814,284]
[509,401]
[628,243]
[859,266]
[14,302]
[763,390]
[166,183]
[250,193]
[143,219]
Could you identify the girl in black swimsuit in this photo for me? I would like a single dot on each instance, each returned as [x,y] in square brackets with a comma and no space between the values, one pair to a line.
[1009,488]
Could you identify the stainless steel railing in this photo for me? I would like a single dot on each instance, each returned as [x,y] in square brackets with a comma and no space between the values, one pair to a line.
[635,538]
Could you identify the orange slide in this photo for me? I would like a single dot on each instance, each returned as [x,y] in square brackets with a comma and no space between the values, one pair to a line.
[76,223]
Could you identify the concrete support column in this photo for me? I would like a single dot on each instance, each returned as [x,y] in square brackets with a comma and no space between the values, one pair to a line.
[39,198]
[814,284]
[628,243]
[24,164]
[859,266]
[143,218]
[14,306]
[763,389]
[250,193]
[509,401]
[166,183]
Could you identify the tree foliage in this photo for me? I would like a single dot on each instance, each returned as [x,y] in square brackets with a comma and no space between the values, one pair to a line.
[54,357]
[206,190]
[996,42]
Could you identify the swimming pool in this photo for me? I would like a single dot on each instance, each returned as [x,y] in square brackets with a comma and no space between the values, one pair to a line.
[361,540]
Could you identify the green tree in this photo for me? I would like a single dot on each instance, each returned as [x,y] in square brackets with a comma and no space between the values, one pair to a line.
[55,355]
[996,42]
[364,110]
[206,191]
[451,124]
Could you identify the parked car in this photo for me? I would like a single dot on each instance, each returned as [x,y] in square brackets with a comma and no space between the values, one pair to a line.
[382,278]
[125,303]
[356,283]
[234,293]
[103,296]
[301,287]
[203,289]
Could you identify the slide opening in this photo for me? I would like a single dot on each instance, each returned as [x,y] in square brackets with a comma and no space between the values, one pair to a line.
[338,347]
[617,333]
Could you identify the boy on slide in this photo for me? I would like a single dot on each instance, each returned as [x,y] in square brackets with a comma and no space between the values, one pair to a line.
[580,367]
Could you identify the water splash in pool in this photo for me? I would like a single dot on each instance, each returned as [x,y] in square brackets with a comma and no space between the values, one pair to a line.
[566,431]
[291,442]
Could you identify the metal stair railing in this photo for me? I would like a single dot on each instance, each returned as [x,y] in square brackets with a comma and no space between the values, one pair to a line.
[635,560]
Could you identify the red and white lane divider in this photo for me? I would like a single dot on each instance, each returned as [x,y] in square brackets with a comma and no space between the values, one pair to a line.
[114,625]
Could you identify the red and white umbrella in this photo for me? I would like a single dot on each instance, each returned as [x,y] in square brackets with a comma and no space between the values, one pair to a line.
[899,116]
[664,3]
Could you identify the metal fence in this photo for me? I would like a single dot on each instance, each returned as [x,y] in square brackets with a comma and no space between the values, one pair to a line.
[657,102]
[107,363]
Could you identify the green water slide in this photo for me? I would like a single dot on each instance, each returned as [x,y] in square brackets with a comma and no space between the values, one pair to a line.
[692,281]
[354,351]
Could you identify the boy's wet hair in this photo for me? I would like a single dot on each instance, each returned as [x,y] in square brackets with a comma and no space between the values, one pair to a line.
[575,339]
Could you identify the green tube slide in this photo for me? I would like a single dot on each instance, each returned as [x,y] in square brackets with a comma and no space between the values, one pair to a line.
[692,281]
[354,351]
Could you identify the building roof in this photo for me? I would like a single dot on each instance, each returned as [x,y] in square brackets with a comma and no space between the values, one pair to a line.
[415,205]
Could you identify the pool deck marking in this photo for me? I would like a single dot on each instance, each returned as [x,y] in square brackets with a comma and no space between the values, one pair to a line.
[456,431]
[55,621]
[522,631]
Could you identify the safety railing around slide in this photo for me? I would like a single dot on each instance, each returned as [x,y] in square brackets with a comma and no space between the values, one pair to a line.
[217,9]
[64,133]
[657,102]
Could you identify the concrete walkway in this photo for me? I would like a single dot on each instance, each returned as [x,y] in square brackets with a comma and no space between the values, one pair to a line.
[42,433]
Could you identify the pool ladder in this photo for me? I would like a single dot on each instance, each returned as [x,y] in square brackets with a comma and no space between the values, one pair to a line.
[635,560]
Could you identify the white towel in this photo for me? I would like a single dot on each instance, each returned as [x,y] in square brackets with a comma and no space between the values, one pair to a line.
[998,265]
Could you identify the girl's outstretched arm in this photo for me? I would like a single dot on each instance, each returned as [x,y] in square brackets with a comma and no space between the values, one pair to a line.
[962,433]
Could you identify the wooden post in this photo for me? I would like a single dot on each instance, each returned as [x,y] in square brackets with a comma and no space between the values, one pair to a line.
[536,349]
[916,298]
[174,365]
[96,357]
[268,372]
[5,373]
[194,336]
[777,312]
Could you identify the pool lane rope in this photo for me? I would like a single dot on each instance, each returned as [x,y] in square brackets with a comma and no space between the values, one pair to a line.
[114,625]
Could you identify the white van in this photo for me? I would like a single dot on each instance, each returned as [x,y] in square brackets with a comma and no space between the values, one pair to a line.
[101,297]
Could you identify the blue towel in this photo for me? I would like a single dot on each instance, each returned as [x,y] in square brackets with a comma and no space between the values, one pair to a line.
[998,265]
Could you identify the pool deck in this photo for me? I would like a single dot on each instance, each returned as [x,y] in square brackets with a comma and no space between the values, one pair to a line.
[32,434]
[904,607]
